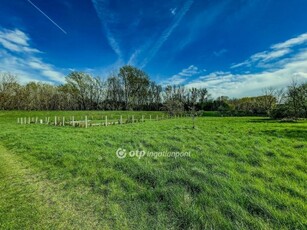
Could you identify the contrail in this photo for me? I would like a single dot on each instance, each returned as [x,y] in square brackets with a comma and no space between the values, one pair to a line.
[165,35]
[101,13]
[47,17]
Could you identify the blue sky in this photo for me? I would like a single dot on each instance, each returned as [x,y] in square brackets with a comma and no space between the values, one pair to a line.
[231,47]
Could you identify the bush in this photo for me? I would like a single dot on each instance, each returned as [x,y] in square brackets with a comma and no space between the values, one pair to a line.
[203,113]
[280,112]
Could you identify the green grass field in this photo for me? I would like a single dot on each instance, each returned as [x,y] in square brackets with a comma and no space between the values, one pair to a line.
[243,173]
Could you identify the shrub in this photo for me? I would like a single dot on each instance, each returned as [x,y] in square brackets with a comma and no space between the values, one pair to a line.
[281,111]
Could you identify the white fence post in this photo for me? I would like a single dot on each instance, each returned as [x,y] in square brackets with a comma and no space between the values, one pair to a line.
[85,121]
[106,121]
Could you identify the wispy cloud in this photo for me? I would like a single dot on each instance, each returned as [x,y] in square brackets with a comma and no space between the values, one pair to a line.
[240,85]
[275,52]
[220,52]
[263,57]
[291,42]
[165,35]
[279,74]
[140,50]
[16,41]
[173,11]
[53,22]
[106,17]
[201,21]
[17,56]
[182,76]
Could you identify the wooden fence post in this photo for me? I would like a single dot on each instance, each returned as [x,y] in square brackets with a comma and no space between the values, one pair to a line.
[63,121]
[85,121]
[106,121]
[73,121]
[132,118]
[121,119]
[55,120]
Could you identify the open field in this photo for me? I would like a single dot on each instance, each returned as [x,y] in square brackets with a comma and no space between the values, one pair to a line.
[242,173]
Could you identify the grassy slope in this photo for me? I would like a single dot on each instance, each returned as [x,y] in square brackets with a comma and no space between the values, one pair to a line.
[243,173]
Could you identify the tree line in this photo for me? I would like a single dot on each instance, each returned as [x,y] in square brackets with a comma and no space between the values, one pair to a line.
[132,89]
[290,102]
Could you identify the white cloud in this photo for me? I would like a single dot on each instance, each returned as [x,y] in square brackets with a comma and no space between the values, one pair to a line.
[16,41]
[262,58]
[16,36]
[18,57]
[291,42]
[275,52]
[249,84]
[278,70]
[267,56]
[182,76]
[190,71]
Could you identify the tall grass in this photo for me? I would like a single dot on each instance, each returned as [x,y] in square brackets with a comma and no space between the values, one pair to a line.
[243,173]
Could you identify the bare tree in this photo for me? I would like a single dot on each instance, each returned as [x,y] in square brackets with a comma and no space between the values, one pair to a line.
[8,86]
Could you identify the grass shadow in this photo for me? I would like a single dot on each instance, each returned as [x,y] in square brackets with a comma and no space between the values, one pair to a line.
[262,120]
[299,134]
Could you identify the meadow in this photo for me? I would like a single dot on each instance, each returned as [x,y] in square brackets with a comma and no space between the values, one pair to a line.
[242,173]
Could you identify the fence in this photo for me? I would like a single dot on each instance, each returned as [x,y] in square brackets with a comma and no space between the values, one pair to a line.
[89,121]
